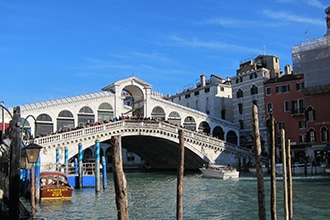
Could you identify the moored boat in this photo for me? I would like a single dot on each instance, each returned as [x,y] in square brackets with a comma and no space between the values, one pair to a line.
[219,171]
[254,169]
[54,185]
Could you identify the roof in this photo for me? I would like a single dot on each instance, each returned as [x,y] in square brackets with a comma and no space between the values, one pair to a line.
[285,78]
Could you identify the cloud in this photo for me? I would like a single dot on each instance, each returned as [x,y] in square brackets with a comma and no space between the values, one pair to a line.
[289,16]
[234,23]
[316,4]
[216,45]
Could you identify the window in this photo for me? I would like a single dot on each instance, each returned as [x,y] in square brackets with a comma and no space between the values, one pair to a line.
[294,107]
[311,135]
[302,124]
[196,103]
[241,124]
[301,106]
[240,93]
[299,86]
[302,138]
[286,106]
[187,96]
[324,134]
[278,89]
[270,107]
[286,88]
[206,90]
[240,108]
[196,93]
[310,116]
[268,91]
[254,90]
[280,125]
[222,88]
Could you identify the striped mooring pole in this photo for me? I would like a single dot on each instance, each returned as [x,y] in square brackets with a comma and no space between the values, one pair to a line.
[57,159]
[66,160]
[104,172]
[97,166]
[80,159]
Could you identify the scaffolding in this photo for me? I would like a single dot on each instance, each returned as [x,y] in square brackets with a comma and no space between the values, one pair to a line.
[313,59]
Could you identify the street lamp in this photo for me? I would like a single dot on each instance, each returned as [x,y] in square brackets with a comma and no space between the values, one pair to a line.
[32,152]
[32,155]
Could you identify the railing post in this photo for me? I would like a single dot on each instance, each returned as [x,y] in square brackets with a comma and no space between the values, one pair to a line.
[97,166]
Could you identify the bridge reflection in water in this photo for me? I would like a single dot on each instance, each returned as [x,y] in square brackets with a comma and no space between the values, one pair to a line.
[155,141]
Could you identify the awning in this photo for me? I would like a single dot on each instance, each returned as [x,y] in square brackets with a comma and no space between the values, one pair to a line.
[327,147]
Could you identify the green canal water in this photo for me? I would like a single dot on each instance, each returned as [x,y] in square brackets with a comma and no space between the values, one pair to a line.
[153,196]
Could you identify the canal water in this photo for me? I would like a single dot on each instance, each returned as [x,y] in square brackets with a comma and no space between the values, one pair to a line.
[153,196]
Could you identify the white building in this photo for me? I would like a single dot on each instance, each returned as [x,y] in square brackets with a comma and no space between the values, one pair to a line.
[212,97]
[248,88]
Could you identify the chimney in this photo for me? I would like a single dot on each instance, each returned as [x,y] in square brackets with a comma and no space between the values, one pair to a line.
[203,80]
[287,69]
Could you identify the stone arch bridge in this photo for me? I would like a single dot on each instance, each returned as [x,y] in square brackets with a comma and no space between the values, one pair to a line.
[156,141]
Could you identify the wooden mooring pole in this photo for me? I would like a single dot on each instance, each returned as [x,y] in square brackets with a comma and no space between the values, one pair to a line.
[80,165]
[290,198]
[273,169]
[284,175]
[179,205]
[119,179]
[97,166]
[257,152]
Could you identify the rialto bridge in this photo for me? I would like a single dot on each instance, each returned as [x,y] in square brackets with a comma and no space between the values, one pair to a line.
[146,121]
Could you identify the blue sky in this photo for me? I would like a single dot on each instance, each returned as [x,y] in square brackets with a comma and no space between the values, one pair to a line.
[54,49]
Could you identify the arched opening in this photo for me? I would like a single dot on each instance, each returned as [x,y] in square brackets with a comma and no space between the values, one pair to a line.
[88,154]
[65,121]
[158,113]
[44,125]
[105,113]
[204,127]
[133,99]
[218,133]
[86,116]
[232,137]
[174,118]
[189,123]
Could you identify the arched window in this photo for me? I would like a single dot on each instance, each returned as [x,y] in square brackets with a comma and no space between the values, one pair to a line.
[239,93]
[324,134]
[310,114]
[105,112]
[44,125]
[311,135]
[158,113]
[65,121]
[254,90]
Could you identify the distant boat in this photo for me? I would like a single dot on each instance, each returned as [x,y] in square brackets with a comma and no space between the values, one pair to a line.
[54,185]
[254,169]
[299,169]
[219,171]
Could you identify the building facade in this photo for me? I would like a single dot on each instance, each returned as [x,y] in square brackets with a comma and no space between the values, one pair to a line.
[248,88]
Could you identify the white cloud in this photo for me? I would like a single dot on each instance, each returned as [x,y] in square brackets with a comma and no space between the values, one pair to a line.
[289,16]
